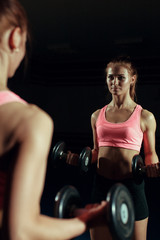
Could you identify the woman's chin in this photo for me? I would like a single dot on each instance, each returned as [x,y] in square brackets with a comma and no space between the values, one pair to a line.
[11,73]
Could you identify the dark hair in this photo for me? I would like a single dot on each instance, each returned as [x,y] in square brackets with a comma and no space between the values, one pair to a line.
[129,64]
[13,14]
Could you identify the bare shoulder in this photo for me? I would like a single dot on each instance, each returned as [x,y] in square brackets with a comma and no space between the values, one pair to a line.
[33,112]
[19,122]
[94,117]
[147,120]
[147,115]
[34,119]
[95,114]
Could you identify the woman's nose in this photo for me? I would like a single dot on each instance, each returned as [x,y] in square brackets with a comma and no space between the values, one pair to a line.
[115,81]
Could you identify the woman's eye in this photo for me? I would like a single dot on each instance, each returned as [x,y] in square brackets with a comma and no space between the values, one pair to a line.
[110,77]
[121,78]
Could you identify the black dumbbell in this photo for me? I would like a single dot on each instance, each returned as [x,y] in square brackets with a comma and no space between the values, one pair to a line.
[138,169]
[59,156]
[120,215]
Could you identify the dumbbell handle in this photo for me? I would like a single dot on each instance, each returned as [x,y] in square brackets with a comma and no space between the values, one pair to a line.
[60,157]
[143,168]
[63,156]
[73,160]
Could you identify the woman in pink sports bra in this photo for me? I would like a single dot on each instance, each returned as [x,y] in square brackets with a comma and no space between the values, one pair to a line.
[118,131]
[25,139]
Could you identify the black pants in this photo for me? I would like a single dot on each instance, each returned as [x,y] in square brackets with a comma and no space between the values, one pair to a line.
[102,185]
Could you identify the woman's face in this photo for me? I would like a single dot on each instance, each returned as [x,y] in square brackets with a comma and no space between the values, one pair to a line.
[118,79]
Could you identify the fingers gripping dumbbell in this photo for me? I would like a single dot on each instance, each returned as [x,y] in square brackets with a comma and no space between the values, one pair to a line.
[119,211]
[59,156]
[139,170]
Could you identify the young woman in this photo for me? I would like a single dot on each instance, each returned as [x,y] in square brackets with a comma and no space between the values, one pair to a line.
[118,131]
[26,133]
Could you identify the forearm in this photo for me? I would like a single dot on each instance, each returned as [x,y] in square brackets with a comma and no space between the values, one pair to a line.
[94,155]
[151,158]
[48,228]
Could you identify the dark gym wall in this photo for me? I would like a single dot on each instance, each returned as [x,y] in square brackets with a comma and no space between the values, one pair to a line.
[71,43]
[91,23]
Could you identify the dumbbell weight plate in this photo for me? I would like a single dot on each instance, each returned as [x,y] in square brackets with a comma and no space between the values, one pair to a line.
[137,164]
[120,212]
[66,201]
[57,154]
[85,158]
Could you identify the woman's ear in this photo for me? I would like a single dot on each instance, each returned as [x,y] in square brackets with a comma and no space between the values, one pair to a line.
[15,39]
[133,79]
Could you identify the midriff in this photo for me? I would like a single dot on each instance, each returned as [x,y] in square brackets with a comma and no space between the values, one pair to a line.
[115,163]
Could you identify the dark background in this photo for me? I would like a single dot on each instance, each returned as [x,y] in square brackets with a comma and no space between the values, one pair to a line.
[72,41]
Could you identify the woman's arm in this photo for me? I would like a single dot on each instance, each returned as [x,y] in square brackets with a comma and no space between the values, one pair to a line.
[22,218]
[95,144]
[148,125]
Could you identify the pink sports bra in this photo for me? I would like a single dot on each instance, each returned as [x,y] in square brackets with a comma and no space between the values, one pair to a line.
[127,134]
[7,96]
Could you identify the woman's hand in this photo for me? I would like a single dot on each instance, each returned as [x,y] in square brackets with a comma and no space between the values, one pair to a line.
[153,170]
[72,158]
[94,214]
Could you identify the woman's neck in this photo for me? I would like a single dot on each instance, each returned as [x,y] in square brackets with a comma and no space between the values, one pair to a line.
[3,88]
[4,65]
[122,102]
